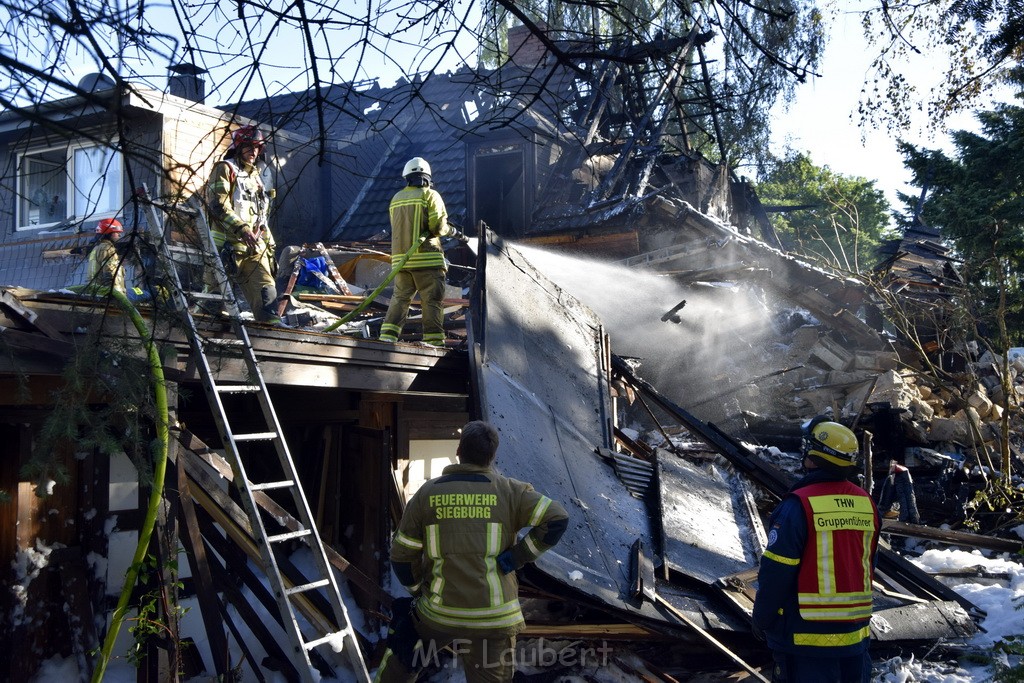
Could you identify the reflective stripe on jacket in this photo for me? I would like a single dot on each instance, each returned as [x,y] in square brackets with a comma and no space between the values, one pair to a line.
[418,211]
[237,200]
[451,534]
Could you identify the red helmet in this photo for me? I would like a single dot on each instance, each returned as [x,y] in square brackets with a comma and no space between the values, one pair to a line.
[109,226]
[248,134]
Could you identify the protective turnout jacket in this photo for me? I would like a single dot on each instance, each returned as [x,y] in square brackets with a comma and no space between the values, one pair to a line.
[237,200]
[105,267]
[814,583]
[417,212]
[446,548]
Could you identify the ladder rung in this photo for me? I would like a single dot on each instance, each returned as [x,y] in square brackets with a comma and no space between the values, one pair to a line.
[270,485]
[306,587]
[219,341]
[256,436]
[288,536]
[237,388]
[329,638]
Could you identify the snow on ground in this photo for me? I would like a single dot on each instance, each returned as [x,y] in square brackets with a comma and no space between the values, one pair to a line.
[1000,599]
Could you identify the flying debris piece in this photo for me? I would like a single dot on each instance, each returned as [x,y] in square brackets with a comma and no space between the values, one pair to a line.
[671,315]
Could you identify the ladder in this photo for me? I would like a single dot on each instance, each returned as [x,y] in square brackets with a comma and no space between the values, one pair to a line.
[249,446]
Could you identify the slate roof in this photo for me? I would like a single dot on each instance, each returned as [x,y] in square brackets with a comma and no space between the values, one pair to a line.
[26,264]
[371,133]
[920,259]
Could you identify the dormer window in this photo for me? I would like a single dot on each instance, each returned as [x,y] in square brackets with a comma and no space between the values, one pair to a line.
[59,183]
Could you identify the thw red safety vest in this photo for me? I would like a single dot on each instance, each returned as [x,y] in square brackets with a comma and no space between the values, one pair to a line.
[834,582]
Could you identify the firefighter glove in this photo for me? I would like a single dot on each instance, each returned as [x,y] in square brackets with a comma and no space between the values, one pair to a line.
[507,562]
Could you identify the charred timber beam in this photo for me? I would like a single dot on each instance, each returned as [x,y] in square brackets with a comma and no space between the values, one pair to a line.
[897,528]
[205,465]
[741,457]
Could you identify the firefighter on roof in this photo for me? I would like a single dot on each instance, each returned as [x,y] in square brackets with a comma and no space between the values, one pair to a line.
[238,207]
[813,602]
[456,551]
[106,266]
[418,213]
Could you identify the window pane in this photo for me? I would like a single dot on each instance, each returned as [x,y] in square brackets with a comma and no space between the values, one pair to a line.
[43,196]
[97,181]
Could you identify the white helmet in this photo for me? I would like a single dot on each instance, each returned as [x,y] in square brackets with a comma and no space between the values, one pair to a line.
[416,165]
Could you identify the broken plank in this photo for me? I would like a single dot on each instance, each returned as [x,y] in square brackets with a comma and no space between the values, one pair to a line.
[206,593]
[14,306]
[897,528]
[32,341]
[225,512]
[574,631]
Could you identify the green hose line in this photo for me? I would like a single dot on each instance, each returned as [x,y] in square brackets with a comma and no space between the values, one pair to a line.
[156,494]
[373,295]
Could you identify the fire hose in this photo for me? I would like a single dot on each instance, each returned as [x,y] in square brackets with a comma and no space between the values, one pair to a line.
[373,295]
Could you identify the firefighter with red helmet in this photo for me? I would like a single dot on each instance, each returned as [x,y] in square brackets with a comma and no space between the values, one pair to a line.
[813,603]
[238,204]
[418,216]
[106,266]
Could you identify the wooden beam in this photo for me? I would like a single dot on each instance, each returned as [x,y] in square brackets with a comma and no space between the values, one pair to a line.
[217,466]
[897,528]
[209,603]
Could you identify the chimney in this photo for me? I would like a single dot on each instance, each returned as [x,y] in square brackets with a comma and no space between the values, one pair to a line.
[525,48]
[185,81]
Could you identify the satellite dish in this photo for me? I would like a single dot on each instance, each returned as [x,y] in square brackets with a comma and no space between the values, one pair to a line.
[95,81]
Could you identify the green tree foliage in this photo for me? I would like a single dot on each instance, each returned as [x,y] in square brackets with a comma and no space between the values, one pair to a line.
[836,219]
[972,44]
[976,198]
[758,54]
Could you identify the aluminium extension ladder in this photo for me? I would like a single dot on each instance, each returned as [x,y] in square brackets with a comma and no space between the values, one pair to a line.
[236,445]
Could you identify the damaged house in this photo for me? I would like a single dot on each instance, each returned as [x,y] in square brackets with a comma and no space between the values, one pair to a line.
[365,422]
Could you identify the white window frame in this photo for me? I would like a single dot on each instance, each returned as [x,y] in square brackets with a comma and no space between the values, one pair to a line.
[112,186]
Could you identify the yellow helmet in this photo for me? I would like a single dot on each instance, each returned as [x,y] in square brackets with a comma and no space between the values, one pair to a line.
[833,443]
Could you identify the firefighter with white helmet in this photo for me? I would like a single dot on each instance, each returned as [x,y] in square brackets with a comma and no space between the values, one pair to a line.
[813,603]
[106,266]
[238,206]
[418,216]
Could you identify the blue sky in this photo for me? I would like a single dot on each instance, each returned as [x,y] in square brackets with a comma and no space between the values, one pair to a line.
[823,119]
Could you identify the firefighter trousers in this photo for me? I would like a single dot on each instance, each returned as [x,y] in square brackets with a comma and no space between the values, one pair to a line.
[429,282]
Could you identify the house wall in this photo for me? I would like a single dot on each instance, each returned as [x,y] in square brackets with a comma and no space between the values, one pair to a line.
[169,146]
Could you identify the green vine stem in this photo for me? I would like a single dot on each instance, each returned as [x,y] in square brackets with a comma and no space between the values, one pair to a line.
[156,493]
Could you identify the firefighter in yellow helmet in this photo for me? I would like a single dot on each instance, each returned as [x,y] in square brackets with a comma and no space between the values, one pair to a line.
[106,266]
[457,550]
[418,213]
[238,210]
[813,603]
